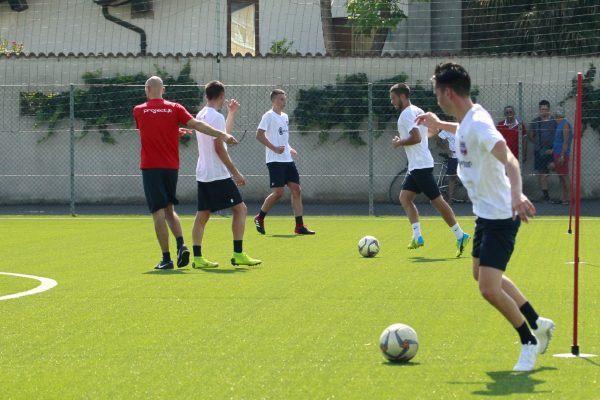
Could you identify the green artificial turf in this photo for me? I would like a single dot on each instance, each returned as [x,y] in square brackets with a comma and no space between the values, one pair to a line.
[303,325]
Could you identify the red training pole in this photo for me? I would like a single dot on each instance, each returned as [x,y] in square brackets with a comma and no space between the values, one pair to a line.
[577,145]
[571,193]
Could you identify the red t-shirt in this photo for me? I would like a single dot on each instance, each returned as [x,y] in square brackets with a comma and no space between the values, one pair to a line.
[158,121]
[511,135]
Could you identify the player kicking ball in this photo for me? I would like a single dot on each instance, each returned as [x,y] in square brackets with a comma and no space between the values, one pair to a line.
[420,178]
[218,179]
[492,177]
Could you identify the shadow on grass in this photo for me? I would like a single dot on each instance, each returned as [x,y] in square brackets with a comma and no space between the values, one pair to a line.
[429,260]
[166,272]
[591,361]
[225,270]
[284,236]
[400,364]
[505,383]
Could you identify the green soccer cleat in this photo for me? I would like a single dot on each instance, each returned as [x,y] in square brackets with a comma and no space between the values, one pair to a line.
[461,244]
[243,259]
[201,263]
[416,243]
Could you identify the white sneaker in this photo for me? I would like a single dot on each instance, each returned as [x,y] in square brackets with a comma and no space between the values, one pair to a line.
[526,358]
[543,333]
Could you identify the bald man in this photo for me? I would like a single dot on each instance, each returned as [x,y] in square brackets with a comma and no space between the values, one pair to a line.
[158,121]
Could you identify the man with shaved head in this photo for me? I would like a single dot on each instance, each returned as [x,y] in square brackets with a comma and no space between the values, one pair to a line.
[158,121]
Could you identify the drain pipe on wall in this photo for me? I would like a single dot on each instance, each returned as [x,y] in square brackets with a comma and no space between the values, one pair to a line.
[125,24]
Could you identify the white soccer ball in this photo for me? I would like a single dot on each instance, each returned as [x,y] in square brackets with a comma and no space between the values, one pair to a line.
[368,246]
[399,343]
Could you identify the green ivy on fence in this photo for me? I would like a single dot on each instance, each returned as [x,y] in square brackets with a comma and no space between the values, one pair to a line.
[346,104]
[107,101]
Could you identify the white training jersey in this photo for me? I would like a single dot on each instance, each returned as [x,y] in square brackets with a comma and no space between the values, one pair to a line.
[210,167]
[276,127]
[418,154]
[450,137]
[480,172]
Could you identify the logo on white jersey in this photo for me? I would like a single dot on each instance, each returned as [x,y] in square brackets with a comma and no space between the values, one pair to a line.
[463,148]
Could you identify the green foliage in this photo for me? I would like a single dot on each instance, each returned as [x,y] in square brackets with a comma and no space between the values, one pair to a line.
[366,15]
[281,47]
[590,100]
[108,101]
[569,27]
[346,104]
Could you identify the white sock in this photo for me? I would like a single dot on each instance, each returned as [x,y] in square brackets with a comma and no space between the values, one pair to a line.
[416,227]
[457,231]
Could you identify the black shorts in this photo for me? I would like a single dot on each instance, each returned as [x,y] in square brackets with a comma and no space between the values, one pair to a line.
[160,185]
[452,165]
[280,173]
[218,195]
[421,180]
[541,161]
[494,241]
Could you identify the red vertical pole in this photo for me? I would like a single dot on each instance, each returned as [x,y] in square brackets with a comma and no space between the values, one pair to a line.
[577,154]
[571,191]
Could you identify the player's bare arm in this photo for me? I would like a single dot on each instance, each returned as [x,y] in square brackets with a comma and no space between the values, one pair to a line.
[223,155]
[232,108]
[414,138]
[432,121]
[293,152]
[521,205]
[205,128]
[262,138]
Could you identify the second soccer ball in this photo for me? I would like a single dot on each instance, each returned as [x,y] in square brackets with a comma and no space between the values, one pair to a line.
[368,246]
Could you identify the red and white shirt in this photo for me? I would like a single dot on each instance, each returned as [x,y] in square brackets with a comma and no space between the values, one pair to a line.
[158,121]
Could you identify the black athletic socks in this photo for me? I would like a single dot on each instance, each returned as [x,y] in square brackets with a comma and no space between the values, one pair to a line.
[237,246]
[197,251]
[179,242]
[526,335]
[167,256]
[299,221]
[530,315]
[261,214]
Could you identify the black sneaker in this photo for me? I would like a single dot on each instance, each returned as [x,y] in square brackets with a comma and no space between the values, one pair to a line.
[303,230]
[260,224]
[183,256]
[164,265]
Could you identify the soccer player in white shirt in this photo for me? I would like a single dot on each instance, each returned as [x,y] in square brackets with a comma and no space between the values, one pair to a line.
[218,179]
[420,178]
[492,176]
[273,133]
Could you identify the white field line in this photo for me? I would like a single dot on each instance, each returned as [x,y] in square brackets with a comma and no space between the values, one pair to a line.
[46,284]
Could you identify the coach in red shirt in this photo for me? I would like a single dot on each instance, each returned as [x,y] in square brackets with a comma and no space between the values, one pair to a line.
[158,121]
[509,128]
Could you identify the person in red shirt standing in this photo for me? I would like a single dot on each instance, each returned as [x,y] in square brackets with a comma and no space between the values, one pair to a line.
[509,128]
[158,121]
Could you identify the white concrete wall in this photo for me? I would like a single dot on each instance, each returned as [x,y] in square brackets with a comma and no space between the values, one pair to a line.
[333,171]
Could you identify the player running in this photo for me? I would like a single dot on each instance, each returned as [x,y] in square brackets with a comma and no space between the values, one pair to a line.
[420,178]
[492,176]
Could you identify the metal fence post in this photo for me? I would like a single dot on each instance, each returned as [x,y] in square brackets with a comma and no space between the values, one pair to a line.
[72,144]
[370,129]
[520,129]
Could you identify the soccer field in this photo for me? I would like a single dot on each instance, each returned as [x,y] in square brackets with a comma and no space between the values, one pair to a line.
[303,325]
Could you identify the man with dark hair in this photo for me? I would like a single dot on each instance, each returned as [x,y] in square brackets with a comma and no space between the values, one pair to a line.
[512,129]
[541,132]
[218,179]
[492,176]
[158,121]
[273,133]
[420,178]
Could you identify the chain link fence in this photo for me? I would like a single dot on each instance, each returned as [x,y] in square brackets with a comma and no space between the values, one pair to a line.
[77,144]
